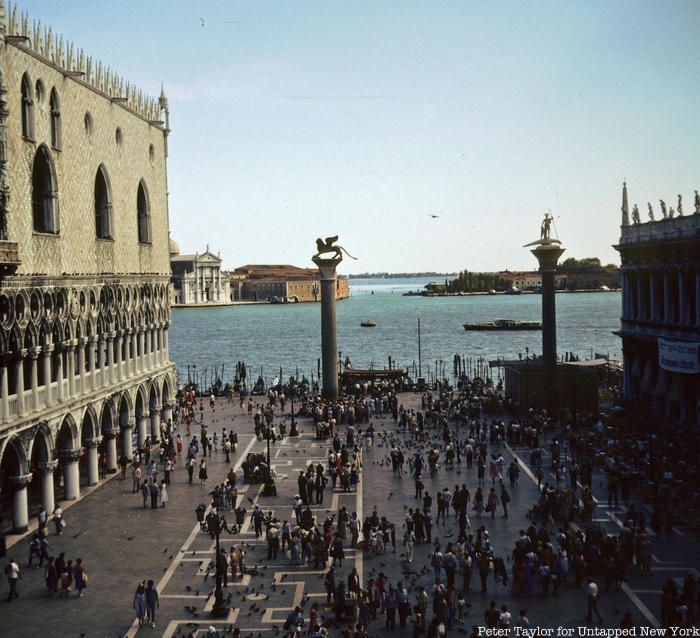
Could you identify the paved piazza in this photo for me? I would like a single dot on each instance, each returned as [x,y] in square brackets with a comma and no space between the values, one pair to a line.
[121,544]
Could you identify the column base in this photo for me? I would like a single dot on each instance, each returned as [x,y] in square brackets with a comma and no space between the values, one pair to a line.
[20,530]
[111,471]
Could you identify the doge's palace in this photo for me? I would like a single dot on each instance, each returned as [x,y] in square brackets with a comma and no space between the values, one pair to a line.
[84,268]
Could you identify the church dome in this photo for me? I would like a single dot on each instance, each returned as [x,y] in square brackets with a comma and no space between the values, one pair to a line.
[174,248]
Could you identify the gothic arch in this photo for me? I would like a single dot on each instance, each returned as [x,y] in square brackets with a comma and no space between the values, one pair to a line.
[13,458]
[27,107]
[143,213]
[42,444]
[103,204]
[44,193]
[167,391]
[107,416]
[68,436]
[126,408]
[55,106]
[88,425]
[153,395]
[31,338]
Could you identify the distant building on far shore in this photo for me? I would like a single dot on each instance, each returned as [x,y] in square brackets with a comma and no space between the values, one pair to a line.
[280,283]
[530,280]
[198,279]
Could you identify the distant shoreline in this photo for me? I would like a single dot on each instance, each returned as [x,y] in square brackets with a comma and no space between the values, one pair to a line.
[402,275]
[419,293]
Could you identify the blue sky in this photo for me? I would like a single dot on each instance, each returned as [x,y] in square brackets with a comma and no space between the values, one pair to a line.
[293,120]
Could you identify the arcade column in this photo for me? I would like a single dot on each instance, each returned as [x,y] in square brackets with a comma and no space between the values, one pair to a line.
[110,439]
[71,474]
[93,460]
[48,499]
[20,508]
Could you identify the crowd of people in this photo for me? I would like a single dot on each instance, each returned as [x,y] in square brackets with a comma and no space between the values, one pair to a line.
[559,548]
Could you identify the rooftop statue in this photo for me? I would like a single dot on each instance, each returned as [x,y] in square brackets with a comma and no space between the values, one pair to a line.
[651,212]
[326,246]
[679,208]
[697,203]
[662,203]
[635,215]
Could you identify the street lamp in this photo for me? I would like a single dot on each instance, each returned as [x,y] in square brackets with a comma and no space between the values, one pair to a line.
[219,610]
[269,488]
[292,392]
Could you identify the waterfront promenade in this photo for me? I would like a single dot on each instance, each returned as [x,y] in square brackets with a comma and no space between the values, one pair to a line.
[121,543]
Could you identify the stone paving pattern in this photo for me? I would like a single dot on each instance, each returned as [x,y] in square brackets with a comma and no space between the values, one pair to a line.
[121,543]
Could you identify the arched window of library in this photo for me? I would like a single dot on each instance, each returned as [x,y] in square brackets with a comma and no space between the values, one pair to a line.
[103,205]
[44,193]
[55,107]
[27,108]
[143,209]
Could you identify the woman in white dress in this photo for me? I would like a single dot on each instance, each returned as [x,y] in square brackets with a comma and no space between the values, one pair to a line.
[162,494]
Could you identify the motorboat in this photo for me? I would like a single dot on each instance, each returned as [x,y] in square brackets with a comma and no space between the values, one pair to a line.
[368,323]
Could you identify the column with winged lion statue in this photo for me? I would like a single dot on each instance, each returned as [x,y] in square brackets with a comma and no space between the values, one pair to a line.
[328,256]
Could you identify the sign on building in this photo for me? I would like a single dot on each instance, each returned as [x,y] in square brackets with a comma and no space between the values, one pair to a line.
[679,356]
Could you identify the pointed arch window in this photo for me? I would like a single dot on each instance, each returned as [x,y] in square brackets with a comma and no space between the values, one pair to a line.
[44,193]
[103,205]
[143,210]
[27,108]
[55,107]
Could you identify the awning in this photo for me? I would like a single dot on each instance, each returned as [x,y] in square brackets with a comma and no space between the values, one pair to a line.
[647,384]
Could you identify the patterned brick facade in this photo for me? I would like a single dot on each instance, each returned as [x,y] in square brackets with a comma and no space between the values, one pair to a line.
[84,315]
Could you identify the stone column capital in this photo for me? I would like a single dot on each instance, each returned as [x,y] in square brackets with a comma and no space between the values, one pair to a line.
[48,466]
[155,411]
[93,443]
[71,455]
[22,480]
[109,434]
[327,267]
[47,349]
[34,353]
[126,426]
[109,336]
[69,345]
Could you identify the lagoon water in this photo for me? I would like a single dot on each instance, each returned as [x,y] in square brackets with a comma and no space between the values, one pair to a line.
[268,337]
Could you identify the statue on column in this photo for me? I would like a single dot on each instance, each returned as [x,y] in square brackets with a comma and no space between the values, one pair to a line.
[671,212]
[545,233]
[697,203]
[651,212]
[635,215]
[326,246]
[545,228]
[679,208]
[662,203]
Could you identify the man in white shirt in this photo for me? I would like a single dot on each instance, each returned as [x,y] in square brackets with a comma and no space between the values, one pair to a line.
[13,574]
[592,592]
